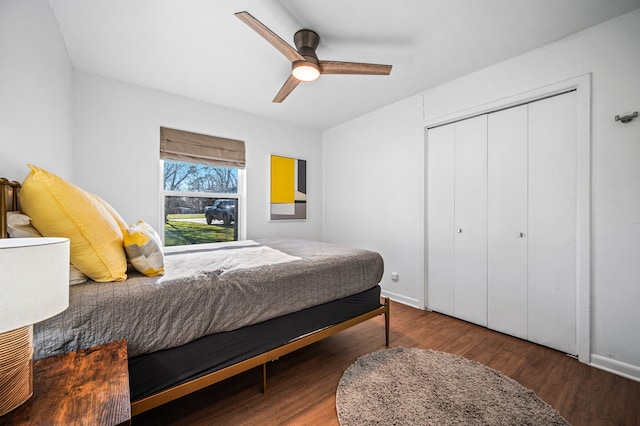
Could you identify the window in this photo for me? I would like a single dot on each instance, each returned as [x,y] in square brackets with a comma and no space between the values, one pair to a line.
[201,178]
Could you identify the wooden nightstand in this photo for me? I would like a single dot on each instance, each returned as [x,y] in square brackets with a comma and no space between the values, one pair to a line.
[89,387]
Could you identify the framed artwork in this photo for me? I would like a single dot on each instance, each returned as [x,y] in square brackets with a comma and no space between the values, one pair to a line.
[288,188]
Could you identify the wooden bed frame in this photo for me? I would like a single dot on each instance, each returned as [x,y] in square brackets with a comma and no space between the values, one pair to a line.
[178,391]
[9,191]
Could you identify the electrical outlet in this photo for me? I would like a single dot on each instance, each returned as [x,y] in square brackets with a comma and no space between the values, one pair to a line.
[394,276]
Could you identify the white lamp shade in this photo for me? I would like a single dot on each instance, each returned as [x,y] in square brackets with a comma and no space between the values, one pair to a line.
[34,280]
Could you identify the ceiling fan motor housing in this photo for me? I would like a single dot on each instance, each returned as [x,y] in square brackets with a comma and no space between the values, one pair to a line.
[306,42]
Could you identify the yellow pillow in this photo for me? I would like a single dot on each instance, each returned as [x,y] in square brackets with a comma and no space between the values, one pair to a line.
[114,214]
[60,209]
[144,249]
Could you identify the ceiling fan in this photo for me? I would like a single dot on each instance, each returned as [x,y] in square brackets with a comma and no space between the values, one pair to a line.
[305,65]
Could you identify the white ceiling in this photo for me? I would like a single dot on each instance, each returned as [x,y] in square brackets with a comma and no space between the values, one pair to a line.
[198,49]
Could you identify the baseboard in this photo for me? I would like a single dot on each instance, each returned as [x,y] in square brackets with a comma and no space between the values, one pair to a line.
[616,367]
[410,301]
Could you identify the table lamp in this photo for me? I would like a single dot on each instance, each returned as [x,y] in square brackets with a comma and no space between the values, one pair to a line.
[34,285]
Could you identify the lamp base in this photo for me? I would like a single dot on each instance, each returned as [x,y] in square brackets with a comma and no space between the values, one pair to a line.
[16,368]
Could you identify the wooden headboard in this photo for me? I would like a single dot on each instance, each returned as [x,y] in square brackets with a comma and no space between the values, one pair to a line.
[8,202]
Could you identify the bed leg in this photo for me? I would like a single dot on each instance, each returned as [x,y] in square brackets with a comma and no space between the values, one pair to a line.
[264,378]
[386,320]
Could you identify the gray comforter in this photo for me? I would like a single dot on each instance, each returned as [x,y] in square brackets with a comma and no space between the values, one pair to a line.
[207,290]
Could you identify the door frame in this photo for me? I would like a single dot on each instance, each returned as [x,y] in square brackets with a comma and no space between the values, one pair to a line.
[582,85]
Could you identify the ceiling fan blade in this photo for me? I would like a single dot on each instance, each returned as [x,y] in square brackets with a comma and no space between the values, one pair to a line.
[286,88]
[338,67]
[273,38]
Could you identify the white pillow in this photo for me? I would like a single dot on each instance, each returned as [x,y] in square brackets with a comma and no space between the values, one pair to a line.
[76,276]
[19,226]
[17,218]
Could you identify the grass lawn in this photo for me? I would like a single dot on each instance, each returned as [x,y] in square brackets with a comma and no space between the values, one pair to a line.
[184,233]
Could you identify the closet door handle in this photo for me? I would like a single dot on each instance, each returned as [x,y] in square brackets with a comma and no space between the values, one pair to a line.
[459,230]
[521,234]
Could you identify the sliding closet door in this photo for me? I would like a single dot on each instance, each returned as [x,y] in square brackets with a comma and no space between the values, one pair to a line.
[440,248]
[507,221]
[552,222]
[470,205]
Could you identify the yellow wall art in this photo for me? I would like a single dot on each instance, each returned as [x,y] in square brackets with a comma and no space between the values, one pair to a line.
[288,188]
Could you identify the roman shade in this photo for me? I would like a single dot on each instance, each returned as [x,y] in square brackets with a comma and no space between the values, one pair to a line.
[191,147]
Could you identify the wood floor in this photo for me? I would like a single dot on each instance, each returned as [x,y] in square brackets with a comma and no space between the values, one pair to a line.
[301,386]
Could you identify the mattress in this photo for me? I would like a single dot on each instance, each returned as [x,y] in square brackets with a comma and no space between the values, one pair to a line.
[207,290]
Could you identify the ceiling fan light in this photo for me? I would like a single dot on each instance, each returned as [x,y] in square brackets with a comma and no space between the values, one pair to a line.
[305,71]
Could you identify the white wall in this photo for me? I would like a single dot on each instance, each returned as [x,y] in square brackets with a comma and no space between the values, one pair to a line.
[36,91]
[116,153]
[610,52]
[373,192]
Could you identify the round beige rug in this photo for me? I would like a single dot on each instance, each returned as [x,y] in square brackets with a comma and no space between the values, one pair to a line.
[402,386]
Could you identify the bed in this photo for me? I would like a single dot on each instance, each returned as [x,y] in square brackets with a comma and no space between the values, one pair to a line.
[218,310]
